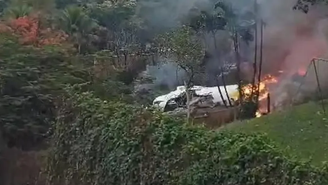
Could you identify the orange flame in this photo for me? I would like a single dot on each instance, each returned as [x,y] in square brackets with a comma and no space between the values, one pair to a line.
[262,87]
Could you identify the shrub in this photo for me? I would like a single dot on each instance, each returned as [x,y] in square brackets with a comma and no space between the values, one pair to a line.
[97,142]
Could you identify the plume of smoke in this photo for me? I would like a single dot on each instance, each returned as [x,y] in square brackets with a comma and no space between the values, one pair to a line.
[169,13]
[291,38]
[166,74]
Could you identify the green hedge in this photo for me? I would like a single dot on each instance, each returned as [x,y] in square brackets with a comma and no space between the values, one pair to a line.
[103,143]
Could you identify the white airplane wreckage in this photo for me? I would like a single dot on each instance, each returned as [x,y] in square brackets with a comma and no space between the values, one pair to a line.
[200,97]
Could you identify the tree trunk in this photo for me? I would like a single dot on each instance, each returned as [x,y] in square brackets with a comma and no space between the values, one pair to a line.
[126,65]
[79,48]
[255,55]
[191,76]
[225,87]
[219,89]
[261,60]
[188,100]
[217,81]
[236,47]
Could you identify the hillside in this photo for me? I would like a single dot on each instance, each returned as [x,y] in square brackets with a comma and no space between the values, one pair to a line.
[301,130]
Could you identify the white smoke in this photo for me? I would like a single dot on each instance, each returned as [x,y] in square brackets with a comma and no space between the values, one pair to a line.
[291,38]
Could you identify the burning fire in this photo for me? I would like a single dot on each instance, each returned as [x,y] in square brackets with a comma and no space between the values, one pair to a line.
[262,88]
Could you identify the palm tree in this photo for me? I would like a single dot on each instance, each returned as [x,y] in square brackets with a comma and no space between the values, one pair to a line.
[38,6]
[75,22]
[18,11]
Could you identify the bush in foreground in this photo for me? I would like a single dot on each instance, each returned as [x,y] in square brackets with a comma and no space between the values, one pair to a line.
[97,142]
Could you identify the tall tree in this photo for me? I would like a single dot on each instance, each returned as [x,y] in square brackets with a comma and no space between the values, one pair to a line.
[75,22]
[119,28]
[240,26]
[184,46]
[212,23]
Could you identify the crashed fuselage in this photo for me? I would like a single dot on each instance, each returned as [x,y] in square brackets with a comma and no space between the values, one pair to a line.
[177,98]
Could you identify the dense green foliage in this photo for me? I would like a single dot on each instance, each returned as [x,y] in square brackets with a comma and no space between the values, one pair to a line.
[32,79]
[29,78]
[97,142]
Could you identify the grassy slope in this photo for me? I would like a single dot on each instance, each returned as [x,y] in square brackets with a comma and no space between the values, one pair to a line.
[303,131]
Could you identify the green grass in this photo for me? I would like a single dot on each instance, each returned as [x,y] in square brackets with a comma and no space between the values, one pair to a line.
[301,131]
